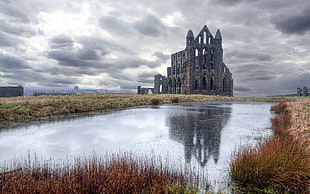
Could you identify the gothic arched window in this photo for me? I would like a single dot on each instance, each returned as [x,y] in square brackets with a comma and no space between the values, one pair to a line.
[204,83]
[196,85]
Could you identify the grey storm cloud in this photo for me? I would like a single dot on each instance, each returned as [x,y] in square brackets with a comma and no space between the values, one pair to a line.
[74,58]
[105,46]
[249,55]
[150,26]
[232,2]
[17,29]
[116,26]
[7,41]
[9,64]
[242,89]
[161,55]
[146,77]
[61,41]
[14,11]
[293,22]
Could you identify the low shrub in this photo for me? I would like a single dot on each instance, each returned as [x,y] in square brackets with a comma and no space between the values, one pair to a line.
[175,100]
[280,164]
[155,101]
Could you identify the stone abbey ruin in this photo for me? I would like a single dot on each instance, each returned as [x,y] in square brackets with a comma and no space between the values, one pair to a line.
[198,69]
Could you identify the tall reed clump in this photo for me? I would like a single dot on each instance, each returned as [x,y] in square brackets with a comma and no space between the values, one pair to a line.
[111,174]
[278,165]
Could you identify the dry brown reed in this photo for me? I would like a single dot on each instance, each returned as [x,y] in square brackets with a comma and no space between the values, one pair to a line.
[118,173]
[279,165]
[279,108]
[281,123]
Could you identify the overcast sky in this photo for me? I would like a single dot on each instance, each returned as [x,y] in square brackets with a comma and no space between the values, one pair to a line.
[119,44]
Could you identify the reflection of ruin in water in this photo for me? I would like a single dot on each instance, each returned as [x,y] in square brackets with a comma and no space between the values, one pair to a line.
[199,128]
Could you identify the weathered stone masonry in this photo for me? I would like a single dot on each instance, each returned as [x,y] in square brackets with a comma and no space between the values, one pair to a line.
[198,69]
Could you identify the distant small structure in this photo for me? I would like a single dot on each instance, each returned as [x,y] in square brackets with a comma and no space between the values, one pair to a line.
[52,93]
[145,90]
[303,92]
[11,91]
[76,89]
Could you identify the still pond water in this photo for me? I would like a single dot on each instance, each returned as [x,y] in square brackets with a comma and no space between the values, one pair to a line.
[199,135]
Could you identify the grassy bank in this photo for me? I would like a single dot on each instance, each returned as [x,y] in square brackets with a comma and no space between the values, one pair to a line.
[119,173]
[281,164]
[22,109]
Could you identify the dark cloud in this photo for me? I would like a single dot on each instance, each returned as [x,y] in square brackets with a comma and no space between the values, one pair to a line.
[161,56]
[115,26]
[105,46]
[232,2]
[10,64]
[61,41]
[18,29]
[293,22]
[242,89]
[150,26]
[249,56]
[73,58]
[146,78]
[7,41]
[11,9]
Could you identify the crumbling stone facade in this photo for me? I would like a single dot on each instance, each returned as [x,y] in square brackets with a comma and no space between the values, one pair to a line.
[145,90]
[6,92]
[198,69]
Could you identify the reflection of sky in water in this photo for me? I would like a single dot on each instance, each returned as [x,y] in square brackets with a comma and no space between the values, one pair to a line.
[200,135]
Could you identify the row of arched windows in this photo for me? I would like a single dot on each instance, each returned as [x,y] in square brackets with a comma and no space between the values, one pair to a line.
[204,52]
[204,39]
[212,85]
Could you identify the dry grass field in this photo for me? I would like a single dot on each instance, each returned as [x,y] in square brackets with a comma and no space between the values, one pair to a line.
[23,109]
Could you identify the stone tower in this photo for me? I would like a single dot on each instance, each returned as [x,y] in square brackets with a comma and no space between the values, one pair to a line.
[199,68]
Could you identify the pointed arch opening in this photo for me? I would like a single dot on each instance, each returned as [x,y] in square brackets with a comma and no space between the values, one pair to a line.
[196,52]
[224,85]
[209,40]
[179,86]
[204,83]
[196,85]
[212,84]
[204,37]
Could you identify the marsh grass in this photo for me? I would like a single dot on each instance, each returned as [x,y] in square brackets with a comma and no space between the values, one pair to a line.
[279,108]
[281,124]
[281,164]
[117,173]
